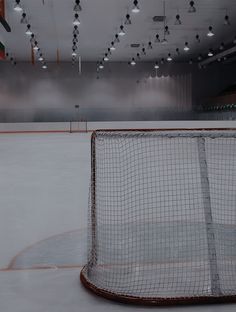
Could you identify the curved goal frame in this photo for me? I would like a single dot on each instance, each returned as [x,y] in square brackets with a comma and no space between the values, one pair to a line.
[151,301]
[216,296]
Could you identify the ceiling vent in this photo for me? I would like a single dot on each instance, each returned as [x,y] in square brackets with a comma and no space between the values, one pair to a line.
[158,19]
[135,45]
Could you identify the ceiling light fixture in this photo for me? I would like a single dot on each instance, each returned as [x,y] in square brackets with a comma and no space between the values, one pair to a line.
[199,57]
[138,56]
[192,8]
[73,52]
[13,62]
[198,38]
[178,20]
[162,61]
[227,21]
[75,39]
[76,30]
[36,48]
[143,51]
[210,53]
[127,20]
[169,58]
[167,31]
[121,31]
[116,40]
[23,19]
[133,63]
[222,46]
[32,39]
[210,32]
[77,7]
[156,66]
[149,45]
[157,39]
[17,6]
[76,21]
[40,57]
[177,51]
[44,66]
[113,46]
[106,58]
[28,30]
[186,47]
[101,66]
[74,47]
[136,8]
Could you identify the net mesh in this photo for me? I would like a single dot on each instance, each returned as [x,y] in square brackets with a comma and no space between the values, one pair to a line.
[163,213]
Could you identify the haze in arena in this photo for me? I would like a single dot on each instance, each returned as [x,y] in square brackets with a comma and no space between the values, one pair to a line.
[117,155]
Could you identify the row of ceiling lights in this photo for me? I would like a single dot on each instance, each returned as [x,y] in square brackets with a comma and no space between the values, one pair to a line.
[166,31]
[135,9]
[226,21]
[210,33]
[76,23]
[192,9]
[34,43]
[210,53]
[10,58]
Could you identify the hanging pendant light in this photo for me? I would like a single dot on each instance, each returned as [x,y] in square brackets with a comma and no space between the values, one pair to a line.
[28,30]
[113,46]
[133,63]
[121,31]
[210,32]
[178,20]
[186,47]
[169,58]
[24,19]
[192,8]
[136,8]
[77,7]
[17,6]
[156,66]
[76,21]
[127,20]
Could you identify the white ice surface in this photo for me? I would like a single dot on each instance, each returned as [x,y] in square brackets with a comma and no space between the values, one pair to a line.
[61,291]
[44,188]
[44,182]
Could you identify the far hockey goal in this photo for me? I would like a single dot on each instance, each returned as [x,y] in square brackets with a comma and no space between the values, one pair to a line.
[162,226]
[78,126]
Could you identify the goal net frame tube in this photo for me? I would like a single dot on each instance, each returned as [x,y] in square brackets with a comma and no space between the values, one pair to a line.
[156,301]
[216,296]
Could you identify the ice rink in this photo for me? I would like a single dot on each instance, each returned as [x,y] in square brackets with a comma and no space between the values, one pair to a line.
[43,225]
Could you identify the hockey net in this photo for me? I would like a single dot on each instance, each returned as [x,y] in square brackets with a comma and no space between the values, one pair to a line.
[78,126]
[162,216]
